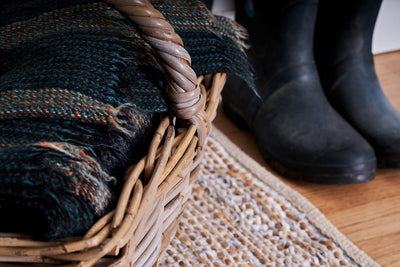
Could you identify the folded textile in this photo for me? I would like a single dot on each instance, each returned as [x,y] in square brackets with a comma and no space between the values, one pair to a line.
[81,94]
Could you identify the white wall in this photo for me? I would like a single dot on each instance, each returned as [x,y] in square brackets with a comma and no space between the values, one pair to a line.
[387,29]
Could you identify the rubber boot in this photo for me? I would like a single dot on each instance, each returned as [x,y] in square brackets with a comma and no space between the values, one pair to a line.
[343,53]
[299,134]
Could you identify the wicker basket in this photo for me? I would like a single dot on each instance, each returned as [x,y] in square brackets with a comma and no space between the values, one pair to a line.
[146,217]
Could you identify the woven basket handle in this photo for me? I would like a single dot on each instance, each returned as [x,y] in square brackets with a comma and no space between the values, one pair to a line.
[183,92]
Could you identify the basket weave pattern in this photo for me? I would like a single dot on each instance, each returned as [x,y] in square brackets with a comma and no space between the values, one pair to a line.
[155,189]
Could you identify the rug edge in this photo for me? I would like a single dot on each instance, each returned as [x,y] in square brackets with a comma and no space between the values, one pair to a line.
[297,200]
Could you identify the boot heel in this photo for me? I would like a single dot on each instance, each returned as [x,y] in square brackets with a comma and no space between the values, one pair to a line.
[234,116]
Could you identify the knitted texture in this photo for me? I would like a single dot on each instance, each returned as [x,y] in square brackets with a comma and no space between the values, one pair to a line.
[81,94]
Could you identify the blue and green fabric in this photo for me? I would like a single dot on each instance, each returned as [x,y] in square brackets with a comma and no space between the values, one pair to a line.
[81,94]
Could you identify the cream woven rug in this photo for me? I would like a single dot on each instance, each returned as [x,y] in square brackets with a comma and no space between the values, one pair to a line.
[241,215]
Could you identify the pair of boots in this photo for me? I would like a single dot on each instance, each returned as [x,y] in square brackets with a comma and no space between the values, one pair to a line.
[318,112]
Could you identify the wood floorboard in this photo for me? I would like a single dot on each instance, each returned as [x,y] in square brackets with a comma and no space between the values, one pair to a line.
[368,214]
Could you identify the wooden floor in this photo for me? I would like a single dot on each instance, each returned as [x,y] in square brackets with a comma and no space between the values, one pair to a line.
[368,214]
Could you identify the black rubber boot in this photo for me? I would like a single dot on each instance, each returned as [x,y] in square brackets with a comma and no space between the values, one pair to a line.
[343,53]
[299,134]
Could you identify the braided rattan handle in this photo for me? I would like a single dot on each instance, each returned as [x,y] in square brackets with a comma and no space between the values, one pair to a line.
[183,91]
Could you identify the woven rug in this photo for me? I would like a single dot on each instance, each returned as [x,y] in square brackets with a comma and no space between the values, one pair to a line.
[241,215]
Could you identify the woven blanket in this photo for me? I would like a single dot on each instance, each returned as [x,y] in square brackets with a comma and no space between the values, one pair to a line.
[241,215]
[80,96]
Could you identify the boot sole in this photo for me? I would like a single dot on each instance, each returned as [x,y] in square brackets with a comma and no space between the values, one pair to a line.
[326,176]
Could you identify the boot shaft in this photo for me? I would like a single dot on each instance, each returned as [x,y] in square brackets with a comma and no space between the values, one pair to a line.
[345,28]
[280,30]
[283,30]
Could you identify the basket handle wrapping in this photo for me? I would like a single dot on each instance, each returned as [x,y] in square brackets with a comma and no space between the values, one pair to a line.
[183,91]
